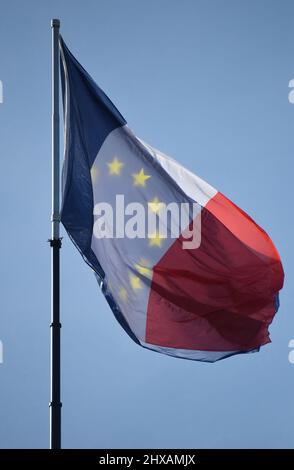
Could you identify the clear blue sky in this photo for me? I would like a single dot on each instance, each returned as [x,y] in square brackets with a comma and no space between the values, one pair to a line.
[207,83]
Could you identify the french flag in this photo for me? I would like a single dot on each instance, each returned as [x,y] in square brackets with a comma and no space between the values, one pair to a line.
[204,302]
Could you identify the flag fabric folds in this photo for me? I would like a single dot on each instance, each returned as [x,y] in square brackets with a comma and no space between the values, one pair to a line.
[213,300]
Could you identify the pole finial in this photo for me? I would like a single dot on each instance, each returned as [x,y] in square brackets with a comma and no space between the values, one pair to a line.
[55,23]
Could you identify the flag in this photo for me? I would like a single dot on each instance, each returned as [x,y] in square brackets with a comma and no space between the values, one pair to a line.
[185,271]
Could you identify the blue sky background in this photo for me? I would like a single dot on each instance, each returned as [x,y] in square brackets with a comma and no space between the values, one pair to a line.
[207,83]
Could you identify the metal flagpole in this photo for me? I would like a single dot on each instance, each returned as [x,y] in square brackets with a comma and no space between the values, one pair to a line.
[55,243]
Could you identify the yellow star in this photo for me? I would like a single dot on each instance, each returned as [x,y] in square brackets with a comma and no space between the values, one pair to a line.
[135,282]
[140,178]
[155,205]
[93,172]
[143,268]
[123,294]
[115,166]
[156,239]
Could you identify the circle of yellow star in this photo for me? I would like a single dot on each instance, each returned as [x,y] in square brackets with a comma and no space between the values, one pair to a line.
[115,166]
[135,282]
[140,178]
[123,294]
[155,205]
[156,239]
[143,268]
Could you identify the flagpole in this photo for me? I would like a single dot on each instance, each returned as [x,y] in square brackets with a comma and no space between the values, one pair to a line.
[55,243]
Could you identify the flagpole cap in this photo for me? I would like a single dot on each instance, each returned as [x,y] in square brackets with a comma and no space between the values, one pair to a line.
[55,23]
